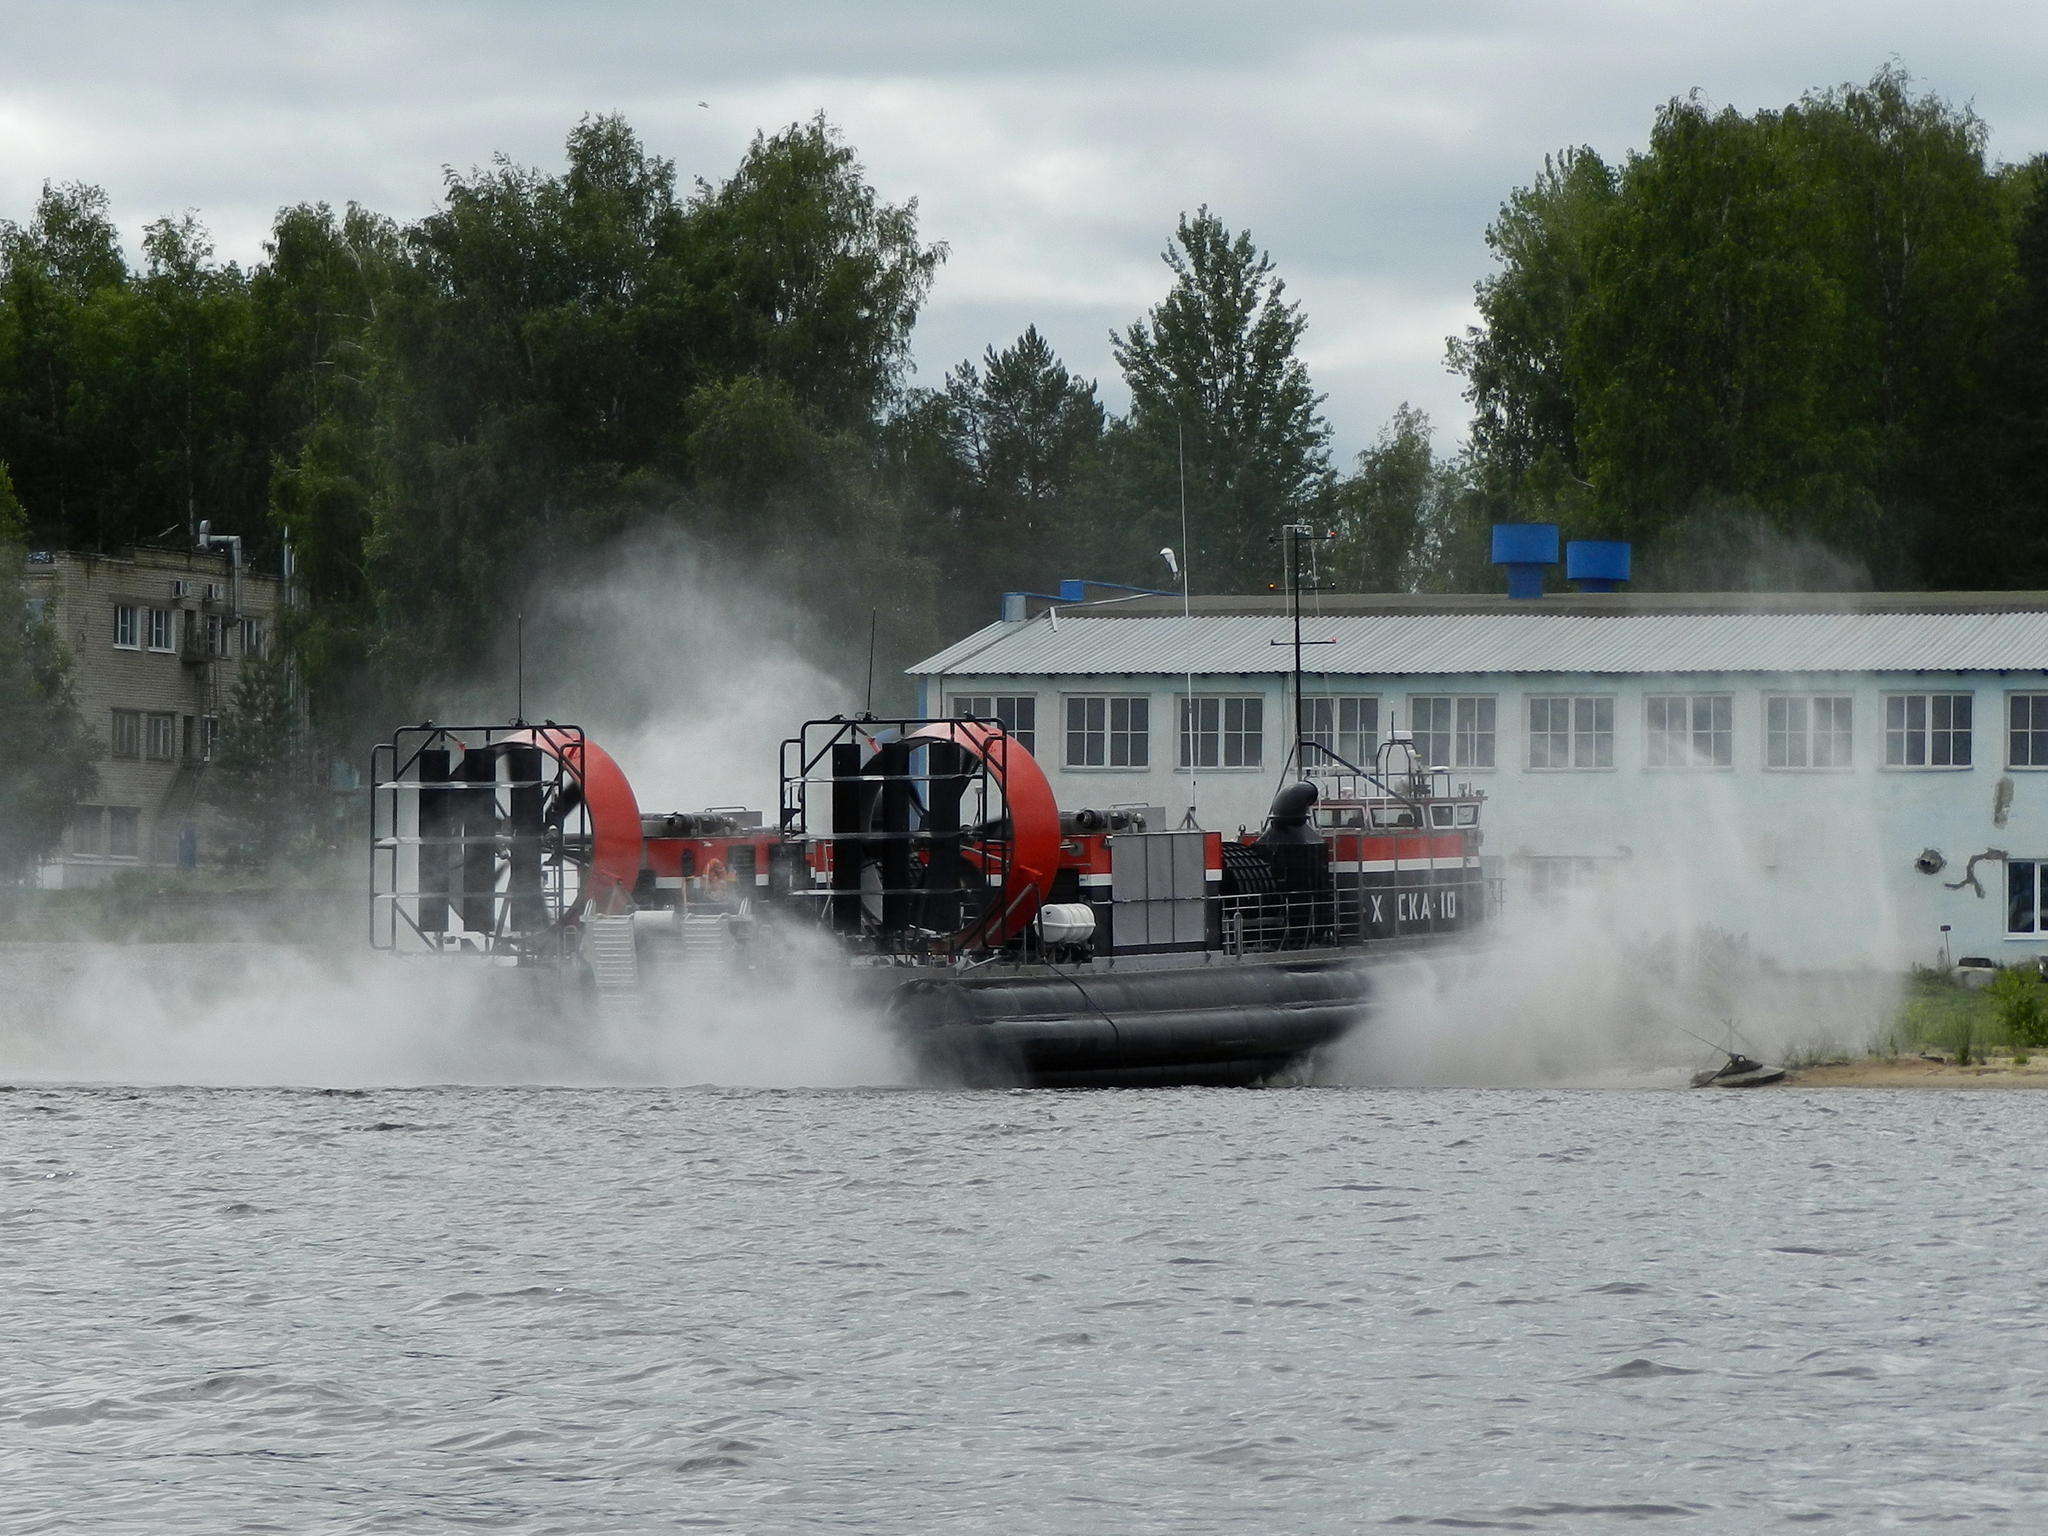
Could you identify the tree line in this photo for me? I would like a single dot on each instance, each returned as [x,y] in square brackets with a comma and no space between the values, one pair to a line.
[1807,344]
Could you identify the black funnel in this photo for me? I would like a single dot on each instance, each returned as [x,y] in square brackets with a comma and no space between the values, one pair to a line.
[1289,821]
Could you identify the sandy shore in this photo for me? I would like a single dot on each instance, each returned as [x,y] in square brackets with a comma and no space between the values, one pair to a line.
[1917,1072]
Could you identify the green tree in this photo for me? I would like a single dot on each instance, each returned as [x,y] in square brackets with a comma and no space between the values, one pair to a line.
[129,401]
[318,299]
[1524,423]
[1005,459]
[1775,326]
[1021,427]
[2021,414]
[535,356]
[565,356]
[178,350]
[1215,380]
[804,273]
[265,776]
[67,258]
[1397,515]
[48,755]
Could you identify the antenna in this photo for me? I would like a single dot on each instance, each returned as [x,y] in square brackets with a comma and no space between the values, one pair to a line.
[1180,454]
[519,706]
[868,709]
[1289,539]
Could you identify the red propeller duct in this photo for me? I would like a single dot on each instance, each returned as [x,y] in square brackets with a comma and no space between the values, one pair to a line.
[1034,823]
[614,812]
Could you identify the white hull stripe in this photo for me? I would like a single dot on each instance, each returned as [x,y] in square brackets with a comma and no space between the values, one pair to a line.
[1402,866]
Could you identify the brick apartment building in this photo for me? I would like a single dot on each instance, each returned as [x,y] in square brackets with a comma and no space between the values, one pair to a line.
[158,639]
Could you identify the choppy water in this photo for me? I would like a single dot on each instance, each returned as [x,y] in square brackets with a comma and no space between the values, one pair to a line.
[1300,1311]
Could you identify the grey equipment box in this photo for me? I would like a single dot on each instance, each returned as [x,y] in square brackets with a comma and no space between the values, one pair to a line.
[1158,891]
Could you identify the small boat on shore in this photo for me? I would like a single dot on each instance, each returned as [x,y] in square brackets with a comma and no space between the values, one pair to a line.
[1739,1071]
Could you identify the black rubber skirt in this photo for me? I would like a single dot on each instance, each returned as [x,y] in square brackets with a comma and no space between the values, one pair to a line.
[1220,1025]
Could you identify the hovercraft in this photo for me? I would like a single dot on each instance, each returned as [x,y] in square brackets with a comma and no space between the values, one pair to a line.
[1003,940]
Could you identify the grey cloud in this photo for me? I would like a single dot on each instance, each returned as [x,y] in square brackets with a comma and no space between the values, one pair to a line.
[1052,146]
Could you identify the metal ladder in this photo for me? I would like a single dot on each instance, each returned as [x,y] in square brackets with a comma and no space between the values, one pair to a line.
[613,958]
[704,940]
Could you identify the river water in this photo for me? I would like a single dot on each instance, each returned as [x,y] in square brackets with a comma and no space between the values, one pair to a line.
[1304,1310]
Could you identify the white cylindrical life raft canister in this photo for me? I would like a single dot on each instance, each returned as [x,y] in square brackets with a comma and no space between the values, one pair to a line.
[1066,922]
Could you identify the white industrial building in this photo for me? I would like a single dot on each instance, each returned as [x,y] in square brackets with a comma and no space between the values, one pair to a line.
[1834,776]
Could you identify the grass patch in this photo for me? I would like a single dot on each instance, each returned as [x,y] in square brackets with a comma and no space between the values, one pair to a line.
[1935,1016]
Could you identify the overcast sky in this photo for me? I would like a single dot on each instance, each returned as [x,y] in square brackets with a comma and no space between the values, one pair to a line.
[1051,146]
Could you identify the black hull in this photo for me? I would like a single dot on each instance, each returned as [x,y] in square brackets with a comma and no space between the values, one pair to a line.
[1176,1026]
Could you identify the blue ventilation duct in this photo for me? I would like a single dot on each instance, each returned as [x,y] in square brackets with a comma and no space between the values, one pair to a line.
[1525,549]
[1597,565]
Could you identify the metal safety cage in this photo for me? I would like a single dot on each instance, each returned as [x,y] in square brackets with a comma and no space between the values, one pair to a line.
[480,840]
[909,841]
[1396,773]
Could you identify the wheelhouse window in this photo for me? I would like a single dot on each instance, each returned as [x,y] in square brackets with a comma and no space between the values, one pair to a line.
[1016,713]
[1109,731]
[127,630]
[1802,731]
[1347,726]
[2027,730]
[163,629]
[1927,730]
[1571,732]
[2023,914]
[126,737]
[1452,731]
[1222,731]
[1690,730]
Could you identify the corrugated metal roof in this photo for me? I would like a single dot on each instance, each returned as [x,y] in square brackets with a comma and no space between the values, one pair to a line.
[1441,643]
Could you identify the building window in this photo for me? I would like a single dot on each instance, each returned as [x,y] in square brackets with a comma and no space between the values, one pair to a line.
[1109,732]
[252,638]
[1017,714]
[1347,728]
[163,629]
[88,830]
[126,740]
[1452,732]
[216,634]
[209,734]
[1222,732]
[1802,732]
[2027,740]
[124,832]
[126,630]
[1690,730]
[1927,730]
[1553,879]
[2023,913]
[1571,733]
[159,734]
